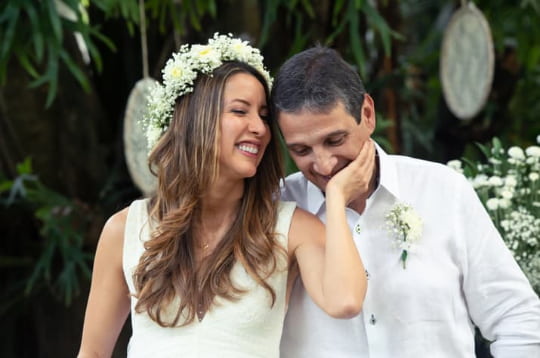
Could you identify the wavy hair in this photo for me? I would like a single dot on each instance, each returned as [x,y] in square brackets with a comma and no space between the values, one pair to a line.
[185,161]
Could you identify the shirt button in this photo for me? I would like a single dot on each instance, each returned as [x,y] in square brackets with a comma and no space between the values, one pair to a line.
[367,274]
[357,228]
[372,320]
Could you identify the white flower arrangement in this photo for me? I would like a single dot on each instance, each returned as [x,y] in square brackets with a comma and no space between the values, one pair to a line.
[405,226]
[181,71]
[509,186]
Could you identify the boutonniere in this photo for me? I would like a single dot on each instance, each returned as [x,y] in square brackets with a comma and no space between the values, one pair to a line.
[405,226]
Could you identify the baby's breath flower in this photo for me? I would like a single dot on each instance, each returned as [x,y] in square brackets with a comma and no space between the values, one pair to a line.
[181,71]
[495,181]
[456,165]
[516,153]
[508,185]
[533,151]
[405,226]
[492,204]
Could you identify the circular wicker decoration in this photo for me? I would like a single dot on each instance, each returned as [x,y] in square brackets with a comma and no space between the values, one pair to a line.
[467,61]
[135,144]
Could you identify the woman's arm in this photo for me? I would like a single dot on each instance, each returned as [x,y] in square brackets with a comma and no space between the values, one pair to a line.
[108,302]
[329,262]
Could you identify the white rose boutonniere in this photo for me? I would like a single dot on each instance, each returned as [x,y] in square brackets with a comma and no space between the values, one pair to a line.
[405,226]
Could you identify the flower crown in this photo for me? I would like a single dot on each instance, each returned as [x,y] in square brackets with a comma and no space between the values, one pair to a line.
[181,71]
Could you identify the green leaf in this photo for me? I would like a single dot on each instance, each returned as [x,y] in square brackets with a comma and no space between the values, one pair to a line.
[356,43]
[37,35]
[55,21]
[380,24]
[25,167]
[338,6]
[75,70]
[308,8]
[10,31]
[212,8]
[270,15]
[26,64]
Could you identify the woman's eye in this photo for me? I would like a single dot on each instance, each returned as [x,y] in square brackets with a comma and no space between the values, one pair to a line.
[238,111]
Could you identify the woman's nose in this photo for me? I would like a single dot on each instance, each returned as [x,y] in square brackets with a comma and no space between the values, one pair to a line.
[257,126]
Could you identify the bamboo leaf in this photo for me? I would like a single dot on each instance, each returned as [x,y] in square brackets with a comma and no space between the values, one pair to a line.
[75,70]
[26,64]
[356,44]
[10,31]
[55,21]
[308,8]
[380,24]
[336,10]
[37,36]
[270,15]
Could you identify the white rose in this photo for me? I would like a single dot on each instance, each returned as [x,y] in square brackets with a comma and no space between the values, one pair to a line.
[533,176]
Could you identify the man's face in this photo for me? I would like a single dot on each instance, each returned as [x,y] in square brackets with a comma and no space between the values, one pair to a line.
[321,144]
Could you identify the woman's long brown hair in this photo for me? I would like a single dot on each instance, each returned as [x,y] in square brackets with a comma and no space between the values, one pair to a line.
[185,161]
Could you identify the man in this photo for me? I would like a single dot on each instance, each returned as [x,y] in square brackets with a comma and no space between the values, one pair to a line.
[425,296]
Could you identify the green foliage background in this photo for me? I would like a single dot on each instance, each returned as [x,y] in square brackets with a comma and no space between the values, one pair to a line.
[63,108]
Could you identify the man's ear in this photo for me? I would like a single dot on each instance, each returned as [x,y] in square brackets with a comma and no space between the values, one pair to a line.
[368,116]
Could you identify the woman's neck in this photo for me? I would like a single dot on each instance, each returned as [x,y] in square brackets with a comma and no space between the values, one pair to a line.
[218,211]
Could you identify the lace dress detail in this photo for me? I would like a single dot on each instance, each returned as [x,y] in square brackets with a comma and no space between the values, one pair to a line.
[249,327]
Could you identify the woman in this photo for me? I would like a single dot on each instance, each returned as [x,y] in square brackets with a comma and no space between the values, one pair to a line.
[203,265]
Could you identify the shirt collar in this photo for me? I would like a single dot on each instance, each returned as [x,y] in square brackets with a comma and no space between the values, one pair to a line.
[387,180]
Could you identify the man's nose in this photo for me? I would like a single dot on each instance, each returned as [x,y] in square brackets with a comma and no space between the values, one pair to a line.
[324,162]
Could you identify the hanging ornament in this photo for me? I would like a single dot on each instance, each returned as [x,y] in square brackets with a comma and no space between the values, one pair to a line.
[467,61]
[135,142]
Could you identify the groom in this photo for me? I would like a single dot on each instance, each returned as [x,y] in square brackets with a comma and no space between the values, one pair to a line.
[425,294]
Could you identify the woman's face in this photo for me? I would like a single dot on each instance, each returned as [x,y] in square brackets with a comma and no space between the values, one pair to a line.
[244,131]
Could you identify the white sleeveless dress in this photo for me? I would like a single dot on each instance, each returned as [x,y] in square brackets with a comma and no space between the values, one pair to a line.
[249,327]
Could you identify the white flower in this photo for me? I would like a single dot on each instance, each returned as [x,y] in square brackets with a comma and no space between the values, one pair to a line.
[456,165]
[508,183]
[504,203]
[507,194]
[181,71]
[492,204]
[480,180]
[405,226]
[495,181]
[510,180]
[516,153]
[538,139]
[533,151]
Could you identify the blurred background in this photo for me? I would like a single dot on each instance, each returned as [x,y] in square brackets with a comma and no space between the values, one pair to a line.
[67,68]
